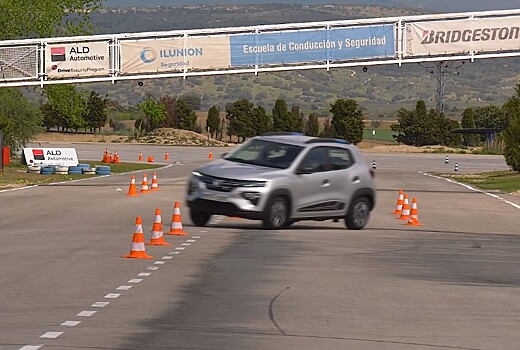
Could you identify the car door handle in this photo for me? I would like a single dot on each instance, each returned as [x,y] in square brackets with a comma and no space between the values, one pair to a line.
[356,179]
[325,183]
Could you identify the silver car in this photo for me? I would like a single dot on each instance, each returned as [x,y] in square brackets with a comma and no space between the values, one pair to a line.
[282,178]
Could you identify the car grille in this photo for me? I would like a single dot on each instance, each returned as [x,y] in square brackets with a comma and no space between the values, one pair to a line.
[223,185]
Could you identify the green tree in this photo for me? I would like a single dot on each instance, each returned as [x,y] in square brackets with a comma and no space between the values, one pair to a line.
[69,105]
[213,121]
[468,122]
[187,116]
[192,100]
[20,120]
[240,121]
[312,127]
[171,108]
[96,116]
[280,116]
[347,119]
[154,111]
[261,121]
[511,134]
[295,119]
[45,18]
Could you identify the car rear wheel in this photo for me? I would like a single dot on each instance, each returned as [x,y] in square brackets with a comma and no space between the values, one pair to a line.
[277,213]
[199,218]
[357,216]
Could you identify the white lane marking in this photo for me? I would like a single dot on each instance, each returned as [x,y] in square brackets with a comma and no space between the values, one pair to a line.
[100,304]
[123,287]
[475,190]
[135,280]
[173,253]
[191,241]
[144,274]
[197,237]
[112,296]
[186,244]
[30,347]
[167,257]
[180,248]
[70,323]
[153,268]
[19,189]
[86,313]
[158,262]
[51,335]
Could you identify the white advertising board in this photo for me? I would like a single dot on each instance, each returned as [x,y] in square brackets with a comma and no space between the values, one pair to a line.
[77,60]
[463,36]
[50,156]
[148,56]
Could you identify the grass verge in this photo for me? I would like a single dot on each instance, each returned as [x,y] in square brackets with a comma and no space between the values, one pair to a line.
[504,181]
[16,175]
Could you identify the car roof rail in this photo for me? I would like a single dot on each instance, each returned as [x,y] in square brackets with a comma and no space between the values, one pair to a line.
[327,140]
[282,133]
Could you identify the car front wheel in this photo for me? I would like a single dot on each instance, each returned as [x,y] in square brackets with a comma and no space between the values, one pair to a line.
[199,218]
[357,216]
[277,213]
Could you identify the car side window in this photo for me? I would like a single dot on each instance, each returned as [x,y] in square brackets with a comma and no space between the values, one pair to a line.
[315,161]
[340,158]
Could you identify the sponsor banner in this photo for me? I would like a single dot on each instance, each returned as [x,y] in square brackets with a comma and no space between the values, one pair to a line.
[149,56]
[19,62]
[463,36]
[50,156]
[313,45]
[77,60]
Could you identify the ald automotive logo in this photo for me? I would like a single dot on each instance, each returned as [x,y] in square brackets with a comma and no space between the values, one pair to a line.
[148,55]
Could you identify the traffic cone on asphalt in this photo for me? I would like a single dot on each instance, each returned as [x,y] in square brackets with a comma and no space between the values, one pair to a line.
[116,158]
[210,155]
[137,250]
[405,213]
[456,167]
[140,156]
[414,215]
[150,159]
[144,185]
[166,156]
[176,227]
[399,205]
[447,160]
[157,236]
[132,190]
[155,184]
[374,166]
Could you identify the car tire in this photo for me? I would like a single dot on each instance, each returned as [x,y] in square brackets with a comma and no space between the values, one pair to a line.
[276,213]
[199,218]
[358,214]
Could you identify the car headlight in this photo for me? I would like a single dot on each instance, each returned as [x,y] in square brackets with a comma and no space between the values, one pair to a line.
[254,184]
[196,173]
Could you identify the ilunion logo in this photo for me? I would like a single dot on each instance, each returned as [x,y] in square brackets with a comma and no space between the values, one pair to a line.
[148,55]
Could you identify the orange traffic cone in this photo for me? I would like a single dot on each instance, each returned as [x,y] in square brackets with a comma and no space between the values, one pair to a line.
[150,159]
[176,227]
[132,190]
[140,156]
[414,215]
[116,158]
[155,184]
[106,157]
[157,237]
[166,156]
[399,205]
[210,155]
[405,213]
[137,250]
[144,185]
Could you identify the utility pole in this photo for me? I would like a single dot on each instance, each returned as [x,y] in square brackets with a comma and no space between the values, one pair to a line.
[439,70]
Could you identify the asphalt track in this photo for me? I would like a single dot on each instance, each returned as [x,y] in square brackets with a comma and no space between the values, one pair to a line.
[450,284]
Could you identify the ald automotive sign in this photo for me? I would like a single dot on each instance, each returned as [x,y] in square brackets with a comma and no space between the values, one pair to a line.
[225,51]
[77,60]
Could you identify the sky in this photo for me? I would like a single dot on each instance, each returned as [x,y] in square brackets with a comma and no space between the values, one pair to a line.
[435,5]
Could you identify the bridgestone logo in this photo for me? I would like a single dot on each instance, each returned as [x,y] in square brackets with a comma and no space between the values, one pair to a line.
[469,35]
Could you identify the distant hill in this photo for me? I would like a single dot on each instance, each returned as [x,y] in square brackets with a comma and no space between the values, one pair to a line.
[437,5]
[380,90]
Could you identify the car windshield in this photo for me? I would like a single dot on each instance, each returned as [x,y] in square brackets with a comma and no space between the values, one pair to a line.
[265,153]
